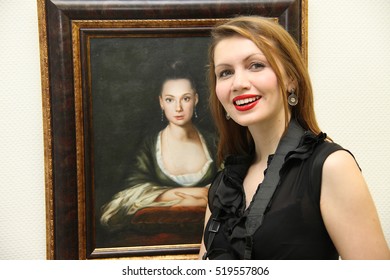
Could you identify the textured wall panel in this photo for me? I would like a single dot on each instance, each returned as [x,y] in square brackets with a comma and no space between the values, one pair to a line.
[22,205]
[349,61]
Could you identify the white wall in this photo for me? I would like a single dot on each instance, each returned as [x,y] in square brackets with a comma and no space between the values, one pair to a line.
[349,60]
[22,201]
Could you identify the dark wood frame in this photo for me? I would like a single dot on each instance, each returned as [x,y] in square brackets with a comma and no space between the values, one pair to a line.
[61,22]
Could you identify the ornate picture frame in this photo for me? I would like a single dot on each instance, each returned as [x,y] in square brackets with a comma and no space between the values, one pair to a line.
[93,87]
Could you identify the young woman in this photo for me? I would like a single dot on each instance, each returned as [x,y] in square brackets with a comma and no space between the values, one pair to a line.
[175,166]
[286,190]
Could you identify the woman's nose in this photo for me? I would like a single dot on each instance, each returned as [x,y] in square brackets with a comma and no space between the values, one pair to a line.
[240,81]
[179,108]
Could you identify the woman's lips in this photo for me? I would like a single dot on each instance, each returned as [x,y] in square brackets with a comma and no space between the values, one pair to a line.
[246,102]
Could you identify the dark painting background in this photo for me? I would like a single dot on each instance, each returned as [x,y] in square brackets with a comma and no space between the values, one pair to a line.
[125,75]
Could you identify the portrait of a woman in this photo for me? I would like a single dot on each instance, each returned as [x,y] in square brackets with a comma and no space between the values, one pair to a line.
[168,185]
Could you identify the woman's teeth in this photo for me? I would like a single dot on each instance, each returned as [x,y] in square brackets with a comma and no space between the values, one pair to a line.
[247,100]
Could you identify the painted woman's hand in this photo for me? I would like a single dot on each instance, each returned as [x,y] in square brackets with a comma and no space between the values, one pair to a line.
[191,200]
[187,196]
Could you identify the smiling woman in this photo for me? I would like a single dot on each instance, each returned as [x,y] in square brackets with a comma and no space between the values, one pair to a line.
[286,190]
[246,84]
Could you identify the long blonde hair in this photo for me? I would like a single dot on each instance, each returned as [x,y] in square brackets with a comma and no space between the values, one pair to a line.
[277,46]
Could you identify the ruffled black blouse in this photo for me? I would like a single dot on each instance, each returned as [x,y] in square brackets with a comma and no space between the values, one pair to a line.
[292,227]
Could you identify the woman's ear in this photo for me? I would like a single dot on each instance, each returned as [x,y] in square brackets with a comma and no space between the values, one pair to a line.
[161,102]
[196,99]
[291,85]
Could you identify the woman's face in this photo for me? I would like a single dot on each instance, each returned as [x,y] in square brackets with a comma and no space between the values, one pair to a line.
[178,101]
[246,85]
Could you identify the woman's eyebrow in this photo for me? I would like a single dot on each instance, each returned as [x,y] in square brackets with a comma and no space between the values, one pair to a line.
[245,59]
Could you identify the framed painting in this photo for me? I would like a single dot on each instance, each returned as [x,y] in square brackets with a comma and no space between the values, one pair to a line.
[111,189]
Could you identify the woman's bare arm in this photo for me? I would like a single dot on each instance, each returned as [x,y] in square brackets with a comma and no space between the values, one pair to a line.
[349,212]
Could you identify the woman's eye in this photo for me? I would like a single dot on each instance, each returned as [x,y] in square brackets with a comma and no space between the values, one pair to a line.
[168,100]
[257,65]
[225,73]
[187,99]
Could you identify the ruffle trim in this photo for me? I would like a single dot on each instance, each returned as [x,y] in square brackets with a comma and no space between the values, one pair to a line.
[229,193]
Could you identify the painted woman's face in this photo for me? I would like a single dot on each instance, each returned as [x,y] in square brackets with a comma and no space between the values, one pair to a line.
[178,100]
[246,85]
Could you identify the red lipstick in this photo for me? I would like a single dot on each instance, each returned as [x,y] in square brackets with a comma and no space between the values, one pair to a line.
[246,102]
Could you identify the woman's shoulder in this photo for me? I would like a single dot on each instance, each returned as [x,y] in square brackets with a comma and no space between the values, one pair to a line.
[326,156]
[326,148]
[330,152]
[147,144]
[149,137]
[210,140]
[339,161]
[208,136]
[318,146]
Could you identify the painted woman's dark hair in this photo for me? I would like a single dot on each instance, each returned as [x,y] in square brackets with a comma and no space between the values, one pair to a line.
[174,71]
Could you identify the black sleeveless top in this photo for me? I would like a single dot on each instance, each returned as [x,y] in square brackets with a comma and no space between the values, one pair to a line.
[292,227]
